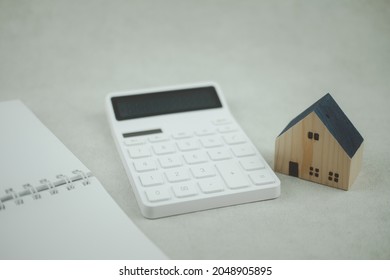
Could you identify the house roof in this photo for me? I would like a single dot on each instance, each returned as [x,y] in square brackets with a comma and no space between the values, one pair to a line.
[335,121]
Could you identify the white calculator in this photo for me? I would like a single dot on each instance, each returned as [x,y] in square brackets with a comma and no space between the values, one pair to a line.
[183,151]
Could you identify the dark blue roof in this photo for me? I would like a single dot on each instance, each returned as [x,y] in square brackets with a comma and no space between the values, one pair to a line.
[335,121]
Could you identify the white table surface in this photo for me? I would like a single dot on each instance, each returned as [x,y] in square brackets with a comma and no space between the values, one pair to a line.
[272,59]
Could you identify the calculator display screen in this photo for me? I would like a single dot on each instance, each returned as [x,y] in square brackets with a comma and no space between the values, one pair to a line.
[167,102]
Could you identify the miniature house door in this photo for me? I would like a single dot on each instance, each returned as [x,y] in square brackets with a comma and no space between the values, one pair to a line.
[293,168]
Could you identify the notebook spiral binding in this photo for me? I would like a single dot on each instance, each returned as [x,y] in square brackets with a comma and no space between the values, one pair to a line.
[45,185]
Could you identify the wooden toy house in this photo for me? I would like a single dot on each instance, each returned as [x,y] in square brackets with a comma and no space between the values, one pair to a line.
[320,145]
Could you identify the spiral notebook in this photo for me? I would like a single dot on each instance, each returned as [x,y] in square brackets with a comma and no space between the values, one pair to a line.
[51,205]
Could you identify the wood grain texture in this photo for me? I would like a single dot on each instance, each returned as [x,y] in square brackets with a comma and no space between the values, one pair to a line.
[322,161]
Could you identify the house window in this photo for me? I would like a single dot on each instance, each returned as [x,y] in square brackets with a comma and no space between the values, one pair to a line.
[333,176]
[312,135]
[314,172]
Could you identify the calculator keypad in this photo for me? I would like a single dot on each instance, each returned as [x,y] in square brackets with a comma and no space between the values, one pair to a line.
[195,164]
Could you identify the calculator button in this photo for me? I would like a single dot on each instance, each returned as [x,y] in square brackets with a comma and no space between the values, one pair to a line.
[211,185]
[232,175]
[211,141]
[181,135]
[188,145]
[261,177]
[227,128]
[134,141]
[221,121]
[219,154]
[184,189]
[147,164]
[234,138]
[252,163]
[243,151]
[177,175]
[195,157]
[205,131]
[170,161]
[163,148]
[155,195]
[151,179]
[202,171]
[138,152]
[158,138]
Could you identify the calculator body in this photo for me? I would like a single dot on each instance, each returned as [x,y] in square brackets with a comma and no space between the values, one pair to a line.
[183,151]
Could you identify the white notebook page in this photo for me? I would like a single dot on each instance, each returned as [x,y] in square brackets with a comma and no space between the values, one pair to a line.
[51,206]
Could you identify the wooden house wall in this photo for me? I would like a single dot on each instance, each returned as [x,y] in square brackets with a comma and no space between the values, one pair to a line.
[324,155]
